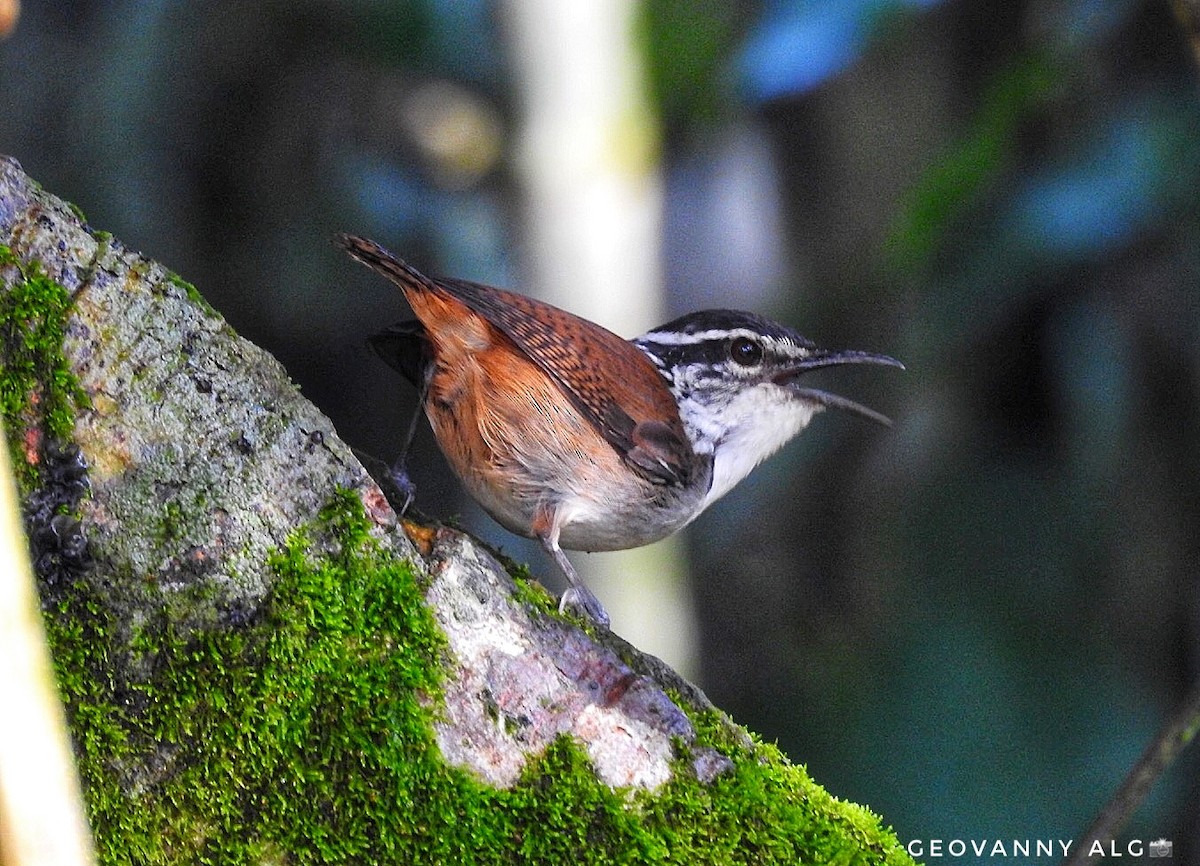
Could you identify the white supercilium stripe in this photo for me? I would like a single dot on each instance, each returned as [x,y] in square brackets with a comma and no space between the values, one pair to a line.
[678,338]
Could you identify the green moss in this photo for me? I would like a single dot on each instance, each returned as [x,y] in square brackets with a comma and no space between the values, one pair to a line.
[172,522]
[306,736]
[184,519]
[37,389]
[192,293]
[529,592]
[290,733]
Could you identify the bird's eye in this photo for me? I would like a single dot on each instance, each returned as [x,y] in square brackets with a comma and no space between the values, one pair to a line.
[745,351]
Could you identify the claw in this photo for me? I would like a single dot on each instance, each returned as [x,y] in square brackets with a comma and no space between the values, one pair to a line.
[580,600]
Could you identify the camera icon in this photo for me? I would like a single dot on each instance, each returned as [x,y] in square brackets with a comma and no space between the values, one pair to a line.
[1160,848]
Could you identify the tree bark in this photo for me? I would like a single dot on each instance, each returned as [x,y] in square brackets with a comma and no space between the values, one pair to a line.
[239,621]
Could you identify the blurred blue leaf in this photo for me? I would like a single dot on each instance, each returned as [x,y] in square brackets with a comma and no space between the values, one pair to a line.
[1116,186]
[464,228]
[394,201]
[1127,174]
[1089,22]
[465,38]
[797,45]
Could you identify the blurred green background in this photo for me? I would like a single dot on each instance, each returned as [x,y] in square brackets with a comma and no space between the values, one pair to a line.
[973,621]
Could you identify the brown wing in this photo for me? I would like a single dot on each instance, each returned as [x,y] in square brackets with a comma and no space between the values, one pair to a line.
[607,378]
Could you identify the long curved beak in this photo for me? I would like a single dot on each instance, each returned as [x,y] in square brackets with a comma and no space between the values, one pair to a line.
[834,401]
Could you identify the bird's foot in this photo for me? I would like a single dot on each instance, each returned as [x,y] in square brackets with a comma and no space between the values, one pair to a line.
[580,600]
[398,487]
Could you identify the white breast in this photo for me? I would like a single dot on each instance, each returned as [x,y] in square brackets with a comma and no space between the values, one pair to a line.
[760,426]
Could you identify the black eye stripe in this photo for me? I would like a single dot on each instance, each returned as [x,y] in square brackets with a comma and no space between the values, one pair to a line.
[714,353]
[706,352]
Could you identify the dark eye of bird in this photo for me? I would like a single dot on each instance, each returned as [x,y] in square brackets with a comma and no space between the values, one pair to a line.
[745,351]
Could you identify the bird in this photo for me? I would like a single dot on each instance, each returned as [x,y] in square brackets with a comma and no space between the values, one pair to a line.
[567,433]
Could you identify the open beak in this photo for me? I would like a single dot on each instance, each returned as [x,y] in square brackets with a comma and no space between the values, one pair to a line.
[835,359]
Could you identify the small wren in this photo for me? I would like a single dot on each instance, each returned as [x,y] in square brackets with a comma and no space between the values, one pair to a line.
[569,434]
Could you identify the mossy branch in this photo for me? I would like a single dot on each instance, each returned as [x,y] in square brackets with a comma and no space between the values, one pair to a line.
[261,663]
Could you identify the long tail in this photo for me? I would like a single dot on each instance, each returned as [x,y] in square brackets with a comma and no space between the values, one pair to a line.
[381,261]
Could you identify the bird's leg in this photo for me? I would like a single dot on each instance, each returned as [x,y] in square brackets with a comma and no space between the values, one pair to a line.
[577,596]
[401,486]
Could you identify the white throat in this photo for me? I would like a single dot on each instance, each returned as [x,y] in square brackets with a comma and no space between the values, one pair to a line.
[761,427]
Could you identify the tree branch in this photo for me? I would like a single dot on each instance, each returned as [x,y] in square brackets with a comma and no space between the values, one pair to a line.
[1179,730]
[260,661]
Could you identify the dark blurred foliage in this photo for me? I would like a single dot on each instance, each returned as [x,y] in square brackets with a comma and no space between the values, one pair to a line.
[985,614]
[973,621]
[230,140]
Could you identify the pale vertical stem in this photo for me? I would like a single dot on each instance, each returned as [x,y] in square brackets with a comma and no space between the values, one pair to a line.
[587,164]
[587,160]
[41,813]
